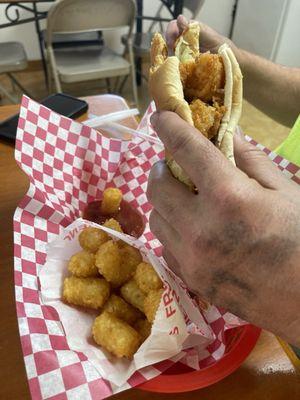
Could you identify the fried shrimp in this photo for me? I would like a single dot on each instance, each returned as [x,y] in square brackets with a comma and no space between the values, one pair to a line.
[203,78]
[207,118]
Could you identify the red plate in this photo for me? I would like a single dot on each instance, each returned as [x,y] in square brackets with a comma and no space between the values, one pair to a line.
[180,378]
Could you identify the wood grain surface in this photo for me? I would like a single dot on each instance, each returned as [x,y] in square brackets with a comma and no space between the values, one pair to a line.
[267,373]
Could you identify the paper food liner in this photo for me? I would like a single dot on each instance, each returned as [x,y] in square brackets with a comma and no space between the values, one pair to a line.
[69,165]
[172,330]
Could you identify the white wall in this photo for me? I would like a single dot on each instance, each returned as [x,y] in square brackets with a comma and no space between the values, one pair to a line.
[256,25]
[269,28]
[288,49]
[216,13]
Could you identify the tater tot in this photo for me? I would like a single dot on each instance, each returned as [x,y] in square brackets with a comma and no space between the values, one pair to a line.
[111,201]
[131,257]
[133,294]
[113,224]
[120,309]
[143,327]
[109,262]
[115,335]
[151,304]
[90,239]
[86,292]
[146,278]
[82,264]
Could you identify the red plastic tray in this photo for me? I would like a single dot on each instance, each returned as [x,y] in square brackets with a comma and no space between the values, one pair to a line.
[180,378]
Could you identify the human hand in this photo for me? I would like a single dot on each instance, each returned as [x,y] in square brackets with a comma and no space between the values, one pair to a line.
[237,242]
[210,40]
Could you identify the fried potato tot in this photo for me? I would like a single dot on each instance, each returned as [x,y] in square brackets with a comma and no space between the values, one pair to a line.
[147,278]
[115,335]
[86,292]
[90,239]
[151,304]
[82,264]
[113,224]
[131,258]
[133,294]
[143,327]
[110,263]
[111,201]
[120,309]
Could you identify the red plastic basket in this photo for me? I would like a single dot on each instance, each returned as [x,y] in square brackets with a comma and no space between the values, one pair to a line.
[180,378]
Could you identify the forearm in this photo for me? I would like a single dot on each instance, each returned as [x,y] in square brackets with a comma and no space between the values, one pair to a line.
[272,88]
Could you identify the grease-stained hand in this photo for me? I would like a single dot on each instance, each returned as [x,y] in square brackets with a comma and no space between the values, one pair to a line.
[237,242]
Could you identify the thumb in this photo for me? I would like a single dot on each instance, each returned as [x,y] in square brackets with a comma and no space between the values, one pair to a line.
[182,23]
[255,163]
[172,32]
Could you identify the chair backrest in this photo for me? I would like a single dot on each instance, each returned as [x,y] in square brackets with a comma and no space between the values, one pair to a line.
[74,16]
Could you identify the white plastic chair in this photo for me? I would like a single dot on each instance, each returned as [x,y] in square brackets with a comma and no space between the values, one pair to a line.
[85,64]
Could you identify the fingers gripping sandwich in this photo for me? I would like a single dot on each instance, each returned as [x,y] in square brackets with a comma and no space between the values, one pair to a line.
[202,88]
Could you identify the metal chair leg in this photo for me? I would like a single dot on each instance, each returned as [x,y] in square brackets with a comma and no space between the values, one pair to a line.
[13,86]
[18,84]
[108,87]
[56,82]
[8,95]
[138,67]
[50,78]
[122,84]
[54,69]
[134,88]
[133,74]
[116,84]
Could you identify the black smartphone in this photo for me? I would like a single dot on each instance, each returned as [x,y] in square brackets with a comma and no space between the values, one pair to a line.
[63,104]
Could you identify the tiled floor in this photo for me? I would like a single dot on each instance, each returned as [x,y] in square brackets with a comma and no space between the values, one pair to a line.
[254,123]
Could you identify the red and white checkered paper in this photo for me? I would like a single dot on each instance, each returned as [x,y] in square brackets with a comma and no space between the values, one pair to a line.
[69,165]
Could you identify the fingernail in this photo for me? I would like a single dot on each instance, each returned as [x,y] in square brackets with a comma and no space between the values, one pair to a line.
[154,118]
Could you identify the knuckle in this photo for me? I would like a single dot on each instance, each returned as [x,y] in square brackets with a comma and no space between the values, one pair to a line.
[163,118]
[181,143]
[251,153]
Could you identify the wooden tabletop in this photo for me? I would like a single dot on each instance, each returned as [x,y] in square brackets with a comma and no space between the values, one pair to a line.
[268,373]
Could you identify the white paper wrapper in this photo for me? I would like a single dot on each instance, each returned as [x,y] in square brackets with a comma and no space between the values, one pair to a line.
[172,330]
